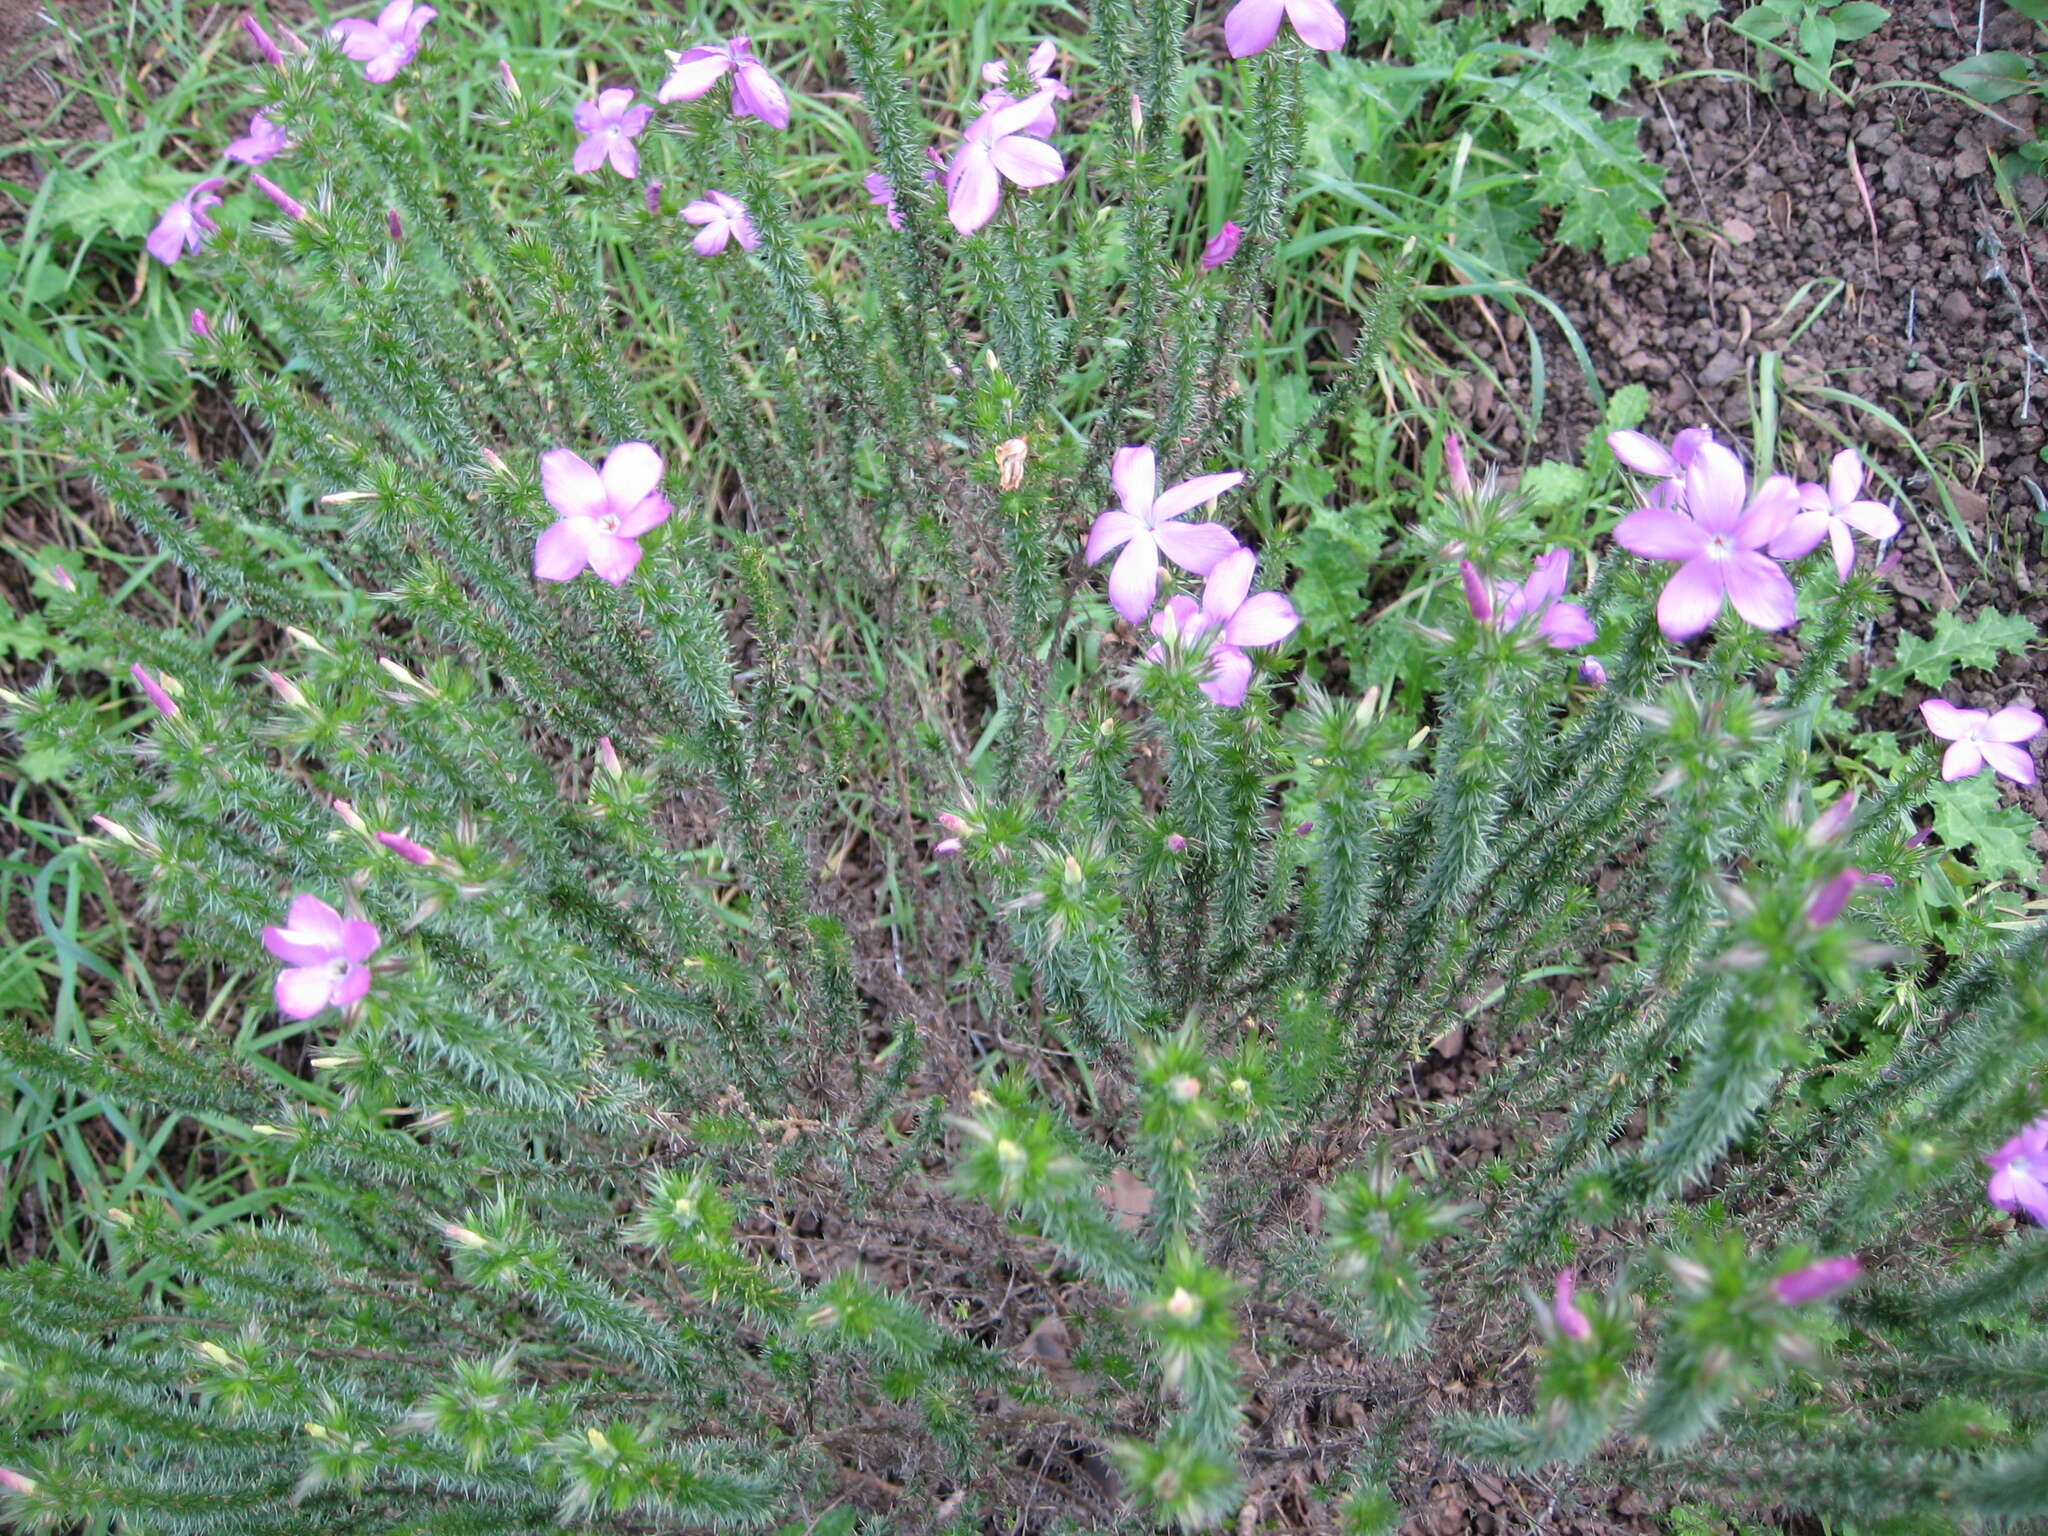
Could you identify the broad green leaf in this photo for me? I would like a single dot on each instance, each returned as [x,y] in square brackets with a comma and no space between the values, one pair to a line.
[1991,77]
[1981,641]
[1967,813]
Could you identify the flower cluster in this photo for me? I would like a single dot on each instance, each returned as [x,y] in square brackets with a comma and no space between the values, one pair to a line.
[1229,618]
[1728,537]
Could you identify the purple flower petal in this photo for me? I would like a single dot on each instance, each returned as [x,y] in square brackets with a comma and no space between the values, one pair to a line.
[1251,26]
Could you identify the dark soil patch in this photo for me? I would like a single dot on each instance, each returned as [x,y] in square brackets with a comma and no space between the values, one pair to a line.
[1893,198]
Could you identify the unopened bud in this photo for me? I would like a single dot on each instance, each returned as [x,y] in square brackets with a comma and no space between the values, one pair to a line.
[1571,1322]
[1184,1089]
[823,1317]
[1137,113]
[1183,1305]
[288,205]
[262,40]
[608,757]
[1071,874]
[316,1431]
[1455,469]
[1176,843]
[508,80]
[304,641]
[946,848]
[343,498]
[1478,592]
[349,818]
[393,225]
[398,671]
[62,579]
[201,326]
[407,849]
[950,822]
[1592,673]
[215,1353]
[274,1131]
[285,688]
[464,1237]
[120,1218]
[14,1482]
[1009,1155]
[1689,1274]
[1831,823]
[156,689]
[1818,1280]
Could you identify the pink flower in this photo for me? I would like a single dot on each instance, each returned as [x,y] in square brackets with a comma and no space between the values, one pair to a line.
[996,146]
[883,196]
[1252,25]
[2019,1173]
[407,849]
[1235,621]
[1828,901]
[1646,456]
[1719,547]
[1146,528]
[1561,625]
[1982,738]
[288,205]
[384,46]
[184,226]
[754,91]
[1045,87]
[260,144]
[604,512]
[724,219]
[609,125]
[1455,469]
[153,689]
[1831,823]
[1175,843]
[1222,245]
[1571,1322]
[201,326]
[1833,512]
[326,958]
[1818,1280]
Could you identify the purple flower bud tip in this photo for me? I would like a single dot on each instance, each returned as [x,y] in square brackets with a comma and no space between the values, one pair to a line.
[62,579]
[1571,1322]
[406,848]
[1455,468]
[1831,898]
[608,757]
[1222,246]
[201,326]
[288,205]
[1831,823]
[507,79]
[1176,842]
[393,226]
[1592,673]
[1818,1280]
[1304,829]
[1919,838]
[1885,881]
[946,848]
[1478,596]
[653,196]
[153,689]
[262,40]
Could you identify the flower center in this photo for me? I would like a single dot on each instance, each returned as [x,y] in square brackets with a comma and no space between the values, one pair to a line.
[1719,546]
[340,968]
[609,522]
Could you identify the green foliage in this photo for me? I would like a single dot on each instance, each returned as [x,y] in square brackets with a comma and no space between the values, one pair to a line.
[1982,640]
[1806,33]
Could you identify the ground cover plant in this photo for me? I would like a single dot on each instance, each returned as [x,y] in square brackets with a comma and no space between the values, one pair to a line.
[577,1159]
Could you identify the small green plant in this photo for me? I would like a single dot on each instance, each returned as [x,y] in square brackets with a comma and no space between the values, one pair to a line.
[1806,33]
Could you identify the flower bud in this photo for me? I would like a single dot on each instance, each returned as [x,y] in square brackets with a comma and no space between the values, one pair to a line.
[62,579]
[1176,843]
[951,822]
[201,326]
[407,849]
[1831,823]
[1455,468]
[1222,245]
[1010,458]
[1478,593]
[288,205]
[508,80]
[653,197]
[1183,1306]
[1827,903]
[822,1317]
[1571,1322]
[608,757]
[262,40]
[154,688]
[1009,1156]
[1818,1280]
[213,1352]
[349,818]
[463,1237]
[1302,829]
[1592,673]
[14,1482]
[285,688]
[393,225]
[1184,1089]
[946,848]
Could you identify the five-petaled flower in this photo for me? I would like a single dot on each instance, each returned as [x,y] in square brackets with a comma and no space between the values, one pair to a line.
[1981,738]
[326,956]
[1561,625]
[1818,1280]
[384,46]
[185,225]
[1564,1311]
[2019,1173]
[1045,87]
[262,142]
[754,91]
[603,512]
[1233,620]
[1835,512]
[998,145]
[1147,528]
[1222,245]
[1719,547]
[1252,25]
[609,125]
[724,218]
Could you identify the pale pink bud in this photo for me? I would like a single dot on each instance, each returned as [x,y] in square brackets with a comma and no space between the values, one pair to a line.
[349,818]
[262,40]
[406,848]
[608,757]
[1176,842]
[62,579]
[463,1237]
[946,848]
[201,326]
[14,1482]
[1828,901]
[1818,1280]
[1571,1322]
[508,80]
[1478,595]
[285,688]
[1455,468]
[1831,823]
[153,688]
[950,822]
[1222,245]
[1592,673]
[288,205]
